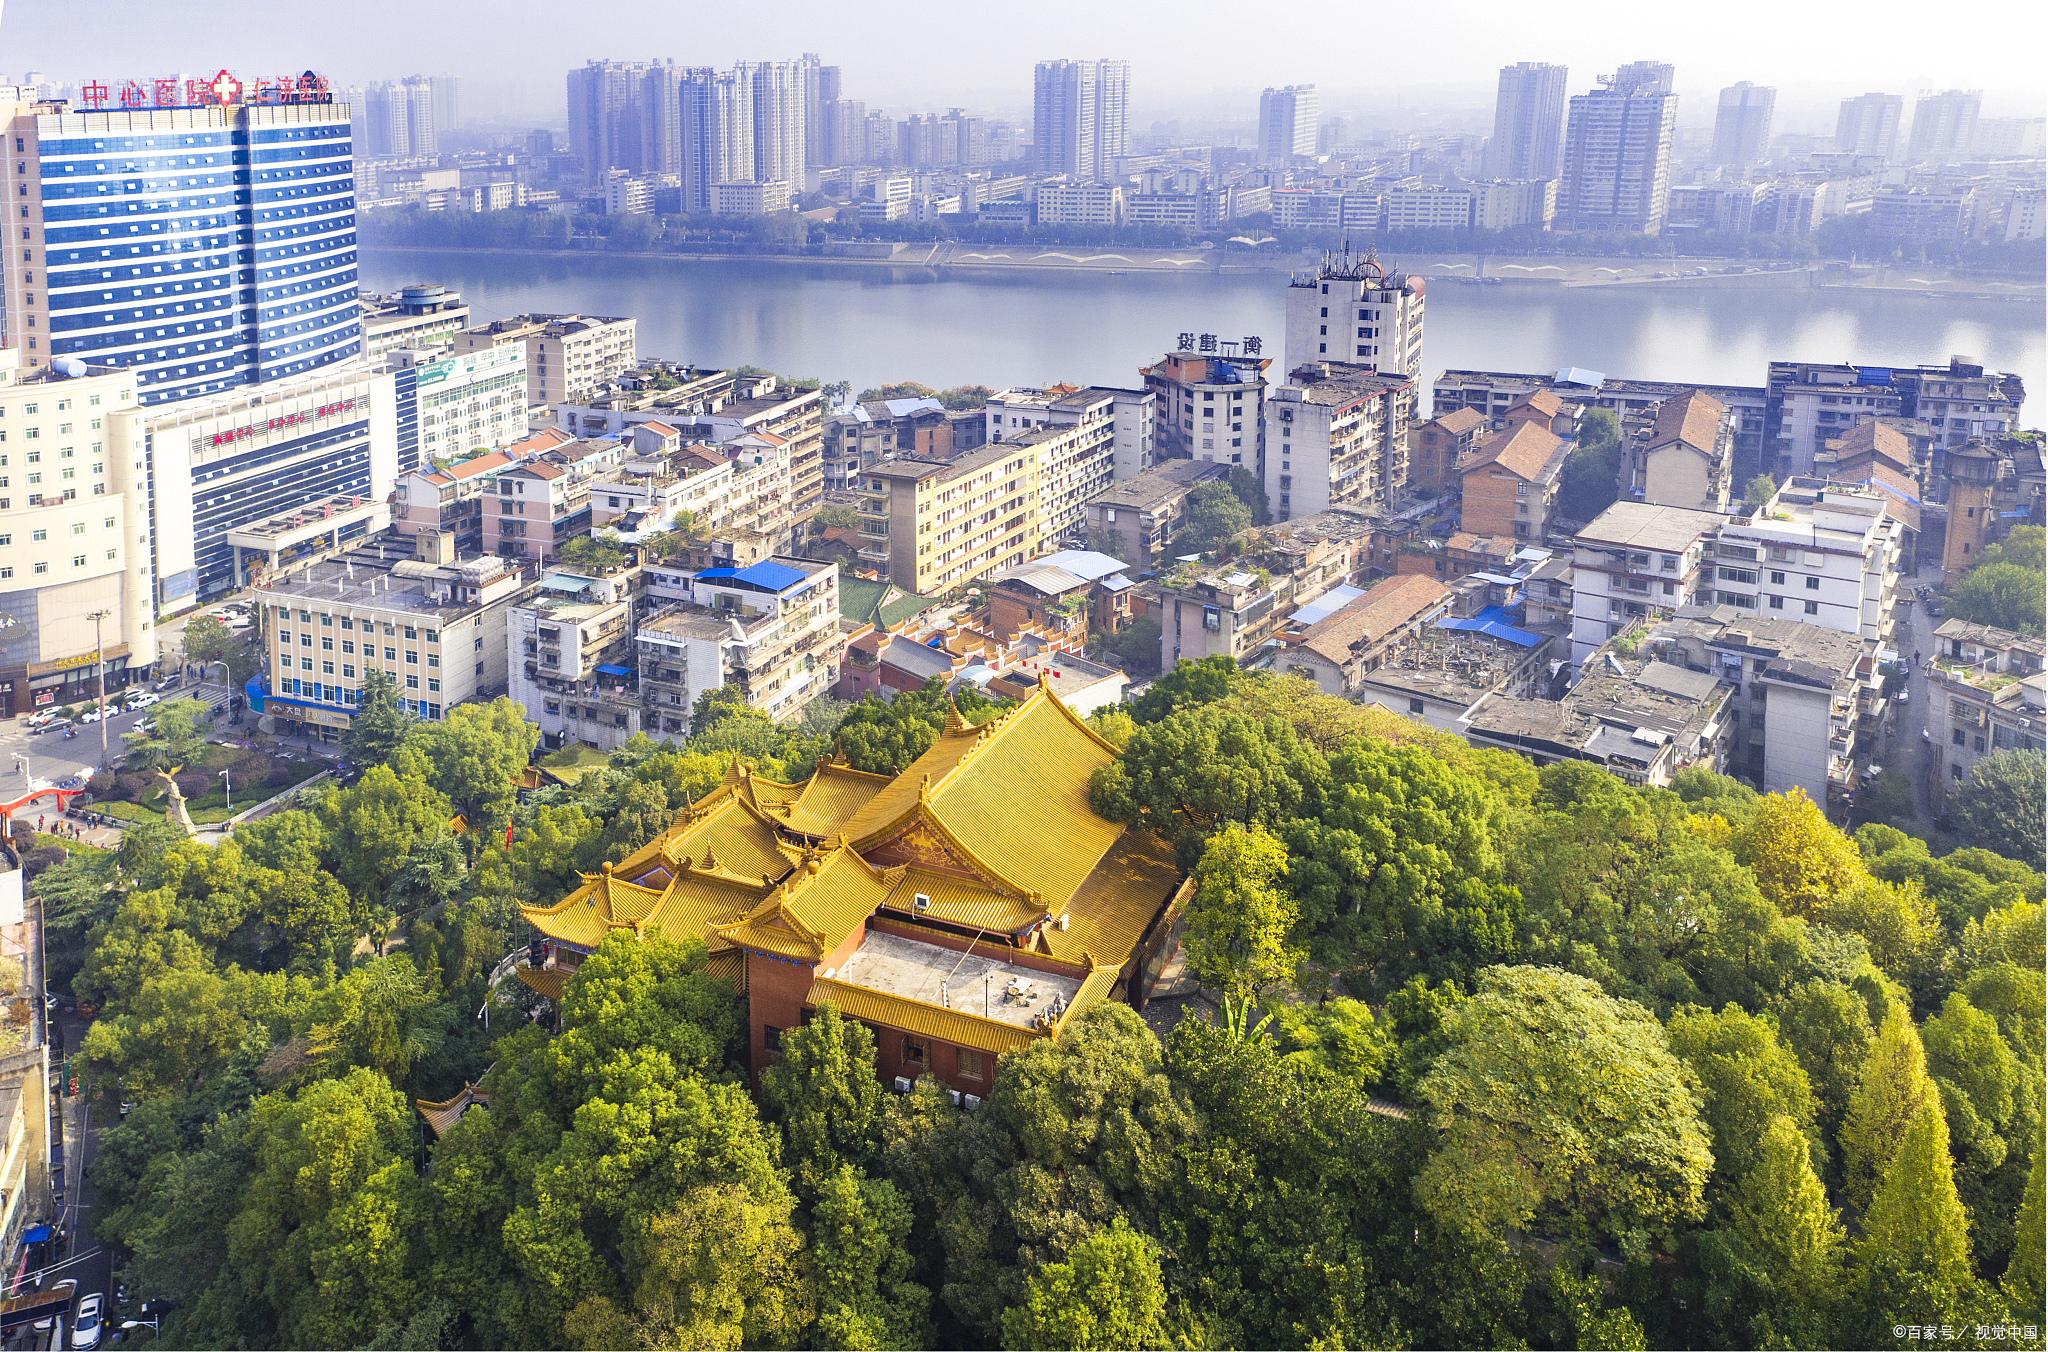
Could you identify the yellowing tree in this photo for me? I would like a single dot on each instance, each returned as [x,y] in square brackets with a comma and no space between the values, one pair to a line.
[1238,921]
[1916,1219]
[1800,861]
[1896,920]
[1893,1089]
[1781,1211]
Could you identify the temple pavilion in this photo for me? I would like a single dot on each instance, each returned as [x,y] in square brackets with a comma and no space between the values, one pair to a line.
[962,909]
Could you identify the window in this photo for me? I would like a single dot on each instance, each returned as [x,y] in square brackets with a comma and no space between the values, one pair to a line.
[326,643]
[971,1064]
[916,1052]
[1414,706]
[348,646]
[412,683]
[1813,607]
[348,670]
[1957,736]
[40,536]
[771,1037]
[1777,603]
[412,656]
[1777,579]
[1813,584]
[391,654]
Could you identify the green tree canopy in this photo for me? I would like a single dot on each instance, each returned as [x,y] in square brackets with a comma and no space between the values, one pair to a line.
[380,724]
[1239,920]
[1749,1080]
[824,1091]
[1215,514]
[2001,806]
[1108,1294]
[1890,1092]
[1559,1102]
[2002,595]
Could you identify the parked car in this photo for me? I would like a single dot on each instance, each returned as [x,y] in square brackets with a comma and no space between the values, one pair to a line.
[85,1333]
[56,725]
[167,683]
[145,727]
[144,699]
[91,715]
[36,722]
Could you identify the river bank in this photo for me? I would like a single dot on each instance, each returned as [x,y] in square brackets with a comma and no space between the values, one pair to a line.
[1677,273]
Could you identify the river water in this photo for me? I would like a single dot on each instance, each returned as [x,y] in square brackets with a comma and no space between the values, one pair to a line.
[873,325]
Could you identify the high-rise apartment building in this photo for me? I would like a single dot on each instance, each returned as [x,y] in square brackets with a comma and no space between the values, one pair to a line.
[74,539]
[1869,124]
[447,103]
[1287,123]
[1742,125]
[845,124]
[1528,119]
[821,87]
[567,356]
[1337,433]
[203,246]
[779,121]
[1617,153]
[716,134]
[1352,310]
[661,130]
[1080,116]
[607,115]
[1944,124]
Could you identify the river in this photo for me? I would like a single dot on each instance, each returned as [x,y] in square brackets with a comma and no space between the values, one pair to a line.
[876,324]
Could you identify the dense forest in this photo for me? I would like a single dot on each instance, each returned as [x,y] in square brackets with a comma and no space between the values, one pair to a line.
[1489,1057]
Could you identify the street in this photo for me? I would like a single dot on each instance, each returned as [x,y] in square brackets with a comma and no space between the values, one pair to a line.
[53,757]
[85,1260]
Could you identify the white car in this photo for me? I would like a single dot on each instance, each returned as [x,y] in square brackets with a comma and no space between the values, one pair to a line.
[91,715]
[144,699]
[85,1333]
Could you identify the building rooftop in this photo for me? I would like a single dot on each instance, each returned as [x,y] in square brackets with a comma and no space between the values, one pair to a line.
[1459,421]
[1646,525]
[1692,419]
[1159,485]
[972,983]
[1336,382]
[1371,617]
[1528,450]
[387,574]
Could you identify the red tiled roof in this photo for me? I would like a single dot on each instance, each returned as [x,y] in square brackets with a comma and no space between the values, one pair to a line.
[1543,401]
[1459,421]
[1693,419]
[1527,451]
[1371,617]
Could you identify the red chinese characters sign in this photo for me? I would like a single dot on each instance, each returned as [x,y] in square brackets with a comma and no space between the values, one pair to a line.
[224,89]
[282,422]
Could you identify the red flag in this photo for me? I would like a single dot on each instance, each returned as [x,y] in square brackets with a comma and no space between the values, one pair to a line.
[508,835]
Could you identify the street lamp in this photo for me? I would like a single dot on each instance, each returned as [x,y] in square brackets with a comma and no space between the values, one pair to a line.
[228,788]
[99,674]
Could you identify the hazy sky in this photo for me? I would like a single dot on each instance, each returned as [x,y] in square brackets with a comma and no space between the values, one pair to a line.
[1190,58]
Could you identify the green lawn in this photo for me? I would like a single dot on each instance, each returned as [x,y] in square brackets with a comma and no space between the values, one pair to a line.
[574,761]
[213,806]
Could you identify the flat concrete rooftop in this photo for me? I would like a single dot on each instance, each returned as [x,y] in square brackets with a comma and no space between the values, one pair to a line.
[974,984]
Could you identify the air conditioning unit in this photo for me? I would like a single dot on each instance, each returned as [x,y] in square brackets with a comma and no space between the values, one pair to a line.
[971,1102]
[902,1084]
[921,902]
[956,1097]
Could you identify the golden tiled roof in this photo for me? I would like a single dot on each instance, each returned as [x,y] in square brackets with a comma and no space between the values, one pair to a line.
[961,901]
[1095,988]
[547,981]
[1012,794]
[441,1116]
[1110,912]
[730,967]
[835,793]
[917,1016]
[821,903]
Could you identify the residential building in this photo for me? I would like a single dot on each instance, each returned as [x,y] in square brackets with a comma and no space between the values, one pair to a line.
[1081,116]
[837,896]
[1321,209]
[422,316]
[609,116]
[1144,513]
[1080,204]
[1730,208]
[400,118]
[1074,462]
[1427,206]
[2026,216]
[1505,204]
[628,194]
[1528,117]
[1617,153]
[750,199]
[652,391]
[1634,561]
[1971,472]
[1235,611]
[1132,414]
[789,423]
[1804,702]
[1808,404]
[450,500]
[222,461]
[938,525]
[27,1199]
[1985,693]
[1210,402]
[1440,675]
[1509,484]
[716,119]
[1339,436]
[1352,310]
[458,404]
[1642,721]
[567,356]
[74,540]
[1064,595]
[1742,125]
[1436,447]
[1869,125]
[1683,457]
[1944,125]
[570,652]
[780,118]
[412,608]
[769,632]
[1339,650]
[1288,119]
[540,508]
[213,290]
[1490,393]
[1818,552]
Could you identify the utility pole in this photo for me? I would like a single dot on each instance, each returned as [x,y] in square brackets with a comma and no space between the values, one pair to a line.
[99,673]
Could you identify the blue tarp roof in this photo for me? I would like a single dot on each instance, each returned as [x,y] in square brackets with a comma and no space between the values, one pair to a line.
[1873,375]
[767,576]
[563,582]
[1493,629]
[1326,605]
[1579,375]
[610,670]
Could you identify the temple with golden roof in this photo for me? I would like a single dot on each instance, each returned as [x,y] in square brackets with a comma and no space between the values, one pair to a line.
[963,909]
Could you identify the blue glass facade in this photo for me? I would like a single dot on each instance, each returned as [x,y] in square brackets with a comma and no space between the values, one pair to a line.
[206,249]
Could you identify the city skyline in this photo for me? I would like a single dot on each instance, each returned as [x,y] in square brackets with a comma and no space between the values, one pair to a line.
[39,36]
